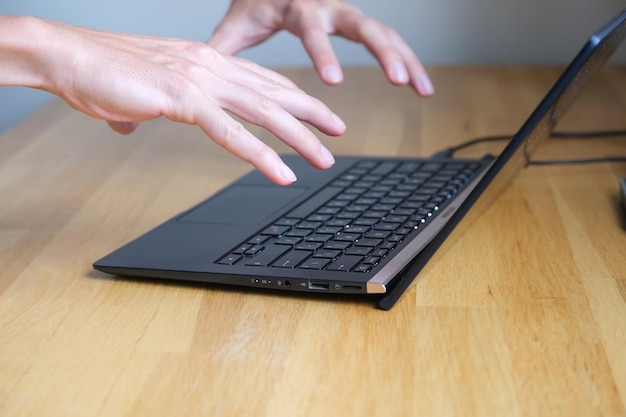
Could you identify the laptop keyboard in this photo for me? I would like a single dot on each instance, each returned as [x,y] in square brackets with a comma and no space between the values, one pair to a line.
[356,220]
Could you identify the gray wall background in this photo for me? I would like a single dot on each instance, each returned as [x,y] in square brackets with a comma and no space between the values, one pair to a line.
[440,31]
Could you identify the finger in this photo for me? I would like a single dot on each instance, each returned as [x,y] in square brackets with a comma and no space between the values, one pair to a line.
[420,80]
[377,40]
[400,64]
[269,114]
[318,46]
[281,91]
[305,23]
[251,106]
[257,70]
[232,136]
[308,109]
[124,128]
[229,67]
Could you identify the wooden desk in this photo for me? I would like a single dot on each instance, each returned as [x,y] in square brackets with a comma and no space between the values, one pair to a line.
[524,316]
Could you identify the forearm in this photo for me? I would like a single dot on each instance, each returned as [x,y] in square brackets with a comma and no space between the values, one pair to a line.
[24,47]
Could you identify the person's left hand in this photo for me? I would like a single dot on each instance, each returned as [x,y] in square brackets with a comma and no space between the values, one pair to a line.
[249,22]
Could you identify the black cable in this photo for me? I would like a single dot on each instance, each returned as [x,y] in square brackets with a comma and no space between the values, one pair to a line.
[576,161]
[589,135]
[449,152]
[480,140]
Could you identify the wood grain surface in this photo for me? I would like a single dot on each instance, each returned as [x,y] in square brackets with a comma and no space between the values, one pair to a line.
[524,315]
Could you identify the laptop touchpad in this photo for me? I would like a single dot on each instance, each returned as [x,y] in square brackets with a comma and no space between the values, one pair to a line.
[242,204]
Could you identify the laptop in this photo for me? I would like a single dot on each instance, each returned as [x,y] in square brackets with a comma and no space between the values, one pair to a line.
[364,228]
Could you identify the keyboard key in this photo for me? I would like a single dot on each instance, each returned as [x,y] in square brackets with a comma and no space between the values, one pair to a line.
[319,237]
[395,238]
[276,230]
[384,168]
[359,250]
[299,232]
[314,263]
[287,222]
[372,243]
[257,240]
[377,234]
[291,259]
[354,223]
[345,263]
[268,255]
[379,252]
[338,245]
[254,250]
[393,218]
[315,202]
[319,217]
[362,268]
[329,210]
[366,221]
[330,229]
[242,249]
[371,260]
[390,227]
[388,245]
[377,214]
[404,231]
[350,215]
[327,253]
[308,225]
[347,237]
[288,240]
[357,228]
[404,211]
[338,222]
[230,259]
[310,246]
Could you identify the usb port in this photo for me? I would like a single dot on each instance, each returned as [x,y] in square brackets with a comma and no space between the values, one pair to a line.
[319,285]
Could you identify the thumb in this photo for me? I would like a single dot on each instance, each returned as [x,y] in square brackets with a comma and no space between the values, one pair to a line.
[236,33]
[124,128]
[228,37]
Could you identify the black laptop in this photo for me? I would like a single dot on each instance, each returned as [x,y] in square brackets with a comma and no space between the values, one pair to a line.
[365,227]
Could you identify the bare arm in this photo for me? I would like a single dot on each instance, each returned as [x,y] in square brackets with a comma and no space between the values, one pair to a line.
[125,79]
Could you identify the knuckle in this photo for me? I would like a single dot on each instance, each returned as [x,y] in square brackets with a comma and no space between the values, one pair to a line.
[231,133]
[179,84]
[257,154]
[190,70]
[265,105]
[198,51]
[370,27]
[262,155]
[181,93]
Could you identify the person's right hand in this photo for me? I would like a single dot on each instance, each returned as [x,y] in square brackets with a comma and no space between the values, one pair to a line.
[250,22]
[125,79]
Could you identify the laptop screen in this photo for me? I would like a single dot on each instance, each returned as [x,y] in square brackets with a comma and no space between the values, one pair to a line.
[535,131]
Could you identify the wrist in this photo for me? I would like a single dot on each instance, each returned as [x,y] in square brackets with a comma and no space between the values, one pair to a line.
[24,50]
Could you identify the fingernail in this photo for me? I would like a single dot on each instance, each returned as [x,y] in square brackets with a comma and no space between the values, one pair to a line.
[399,73]
[425,86]
[339,122]
[328,157]
[332,74]
[286,173]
